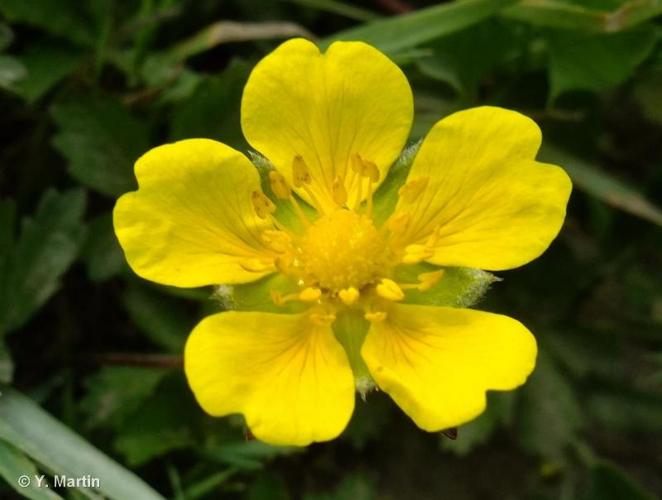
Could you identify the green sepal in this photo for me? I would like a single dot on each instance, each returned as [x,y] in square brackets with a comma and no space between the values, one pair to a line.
[458,287]
[256,296]
[386,196]
[351,329]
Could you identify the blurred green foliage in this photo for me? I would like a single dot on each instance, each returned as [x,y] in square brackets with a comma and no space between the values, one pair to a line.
[89,354]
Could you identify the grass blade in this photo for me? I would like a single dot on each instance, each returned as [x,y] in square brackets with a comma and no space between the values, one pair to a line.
[26,426]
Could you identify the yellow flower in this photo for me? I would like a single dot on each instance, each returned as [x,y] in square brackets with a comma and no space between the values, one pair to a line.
[332,124]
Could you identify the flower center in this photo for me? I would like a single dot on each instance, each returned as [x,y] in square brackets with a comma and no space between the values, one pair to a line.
[343,249]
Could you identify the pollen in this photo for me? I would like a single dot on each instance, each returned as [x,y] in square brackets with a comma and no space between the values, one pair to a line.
[343,250]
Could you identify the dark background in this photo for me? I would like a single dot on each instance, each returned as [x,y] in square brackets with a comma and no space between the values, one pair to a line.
[86,87]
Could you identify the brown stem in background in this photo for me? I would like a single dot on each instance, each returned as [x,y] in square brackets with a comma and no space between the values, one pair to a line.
[146,360]
[395,6]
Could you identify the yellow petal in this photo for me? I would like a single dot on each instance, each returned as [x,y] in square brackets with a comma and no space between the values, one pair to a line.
[192,222]
[485,202]
[288,376]
[325,108]
[437,362]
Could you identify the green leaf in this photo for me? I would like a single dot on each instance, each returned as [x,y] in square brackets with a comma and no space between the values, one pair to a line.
[161,424]
[611,191]
[46,64]
[463,59]
[230,31]
[115,392]
[370,421]
[581,17]
[209,484]
[248,455]
[64,18]
[610,482]
[101,140]
[46,440]
[6,36]
[268,486]
[48,244]
[164,320]
[14,464]
[6,363]
[12,71]
[7,222]
[354,486]
[101,251]
[648,93]
[212,111]
[335,7]
[550,414]
[624,410]
[398,33]
[596,62]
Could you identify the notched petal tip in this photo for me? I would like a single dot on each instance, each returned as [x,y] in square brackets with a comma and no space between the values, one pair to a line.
[437,363]
[287,375]
[191,222]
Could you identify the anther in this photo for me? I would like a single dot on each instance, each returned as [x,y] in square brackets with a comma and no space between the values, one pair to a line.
[256,265]
[365,168]
[279,185]
[413,189]
[277,297]
[263,206]
[349,295]
[322,318]
[375,316]
[416,253]
[390,290]
[310,294]
[279,241]
[433,239]
[428,280]
[338,191]
[398,224]
[300,171]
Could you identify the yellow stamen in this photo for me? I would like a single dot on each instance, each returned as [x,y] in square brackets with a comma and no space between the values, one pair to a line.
[339,192]
[413,189]
[371,171]
[300,172]
[398,223]
[256,265]
[371,191]
[433,239]
[416,253]
[263,206]
[322,318]
[390,290]
[280,241]
[301,179]
[365,169]
[279,185]
[428,280]
[375,316]
[310,294]
[349,295]
[277,297]
[359,192]
[297,209]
